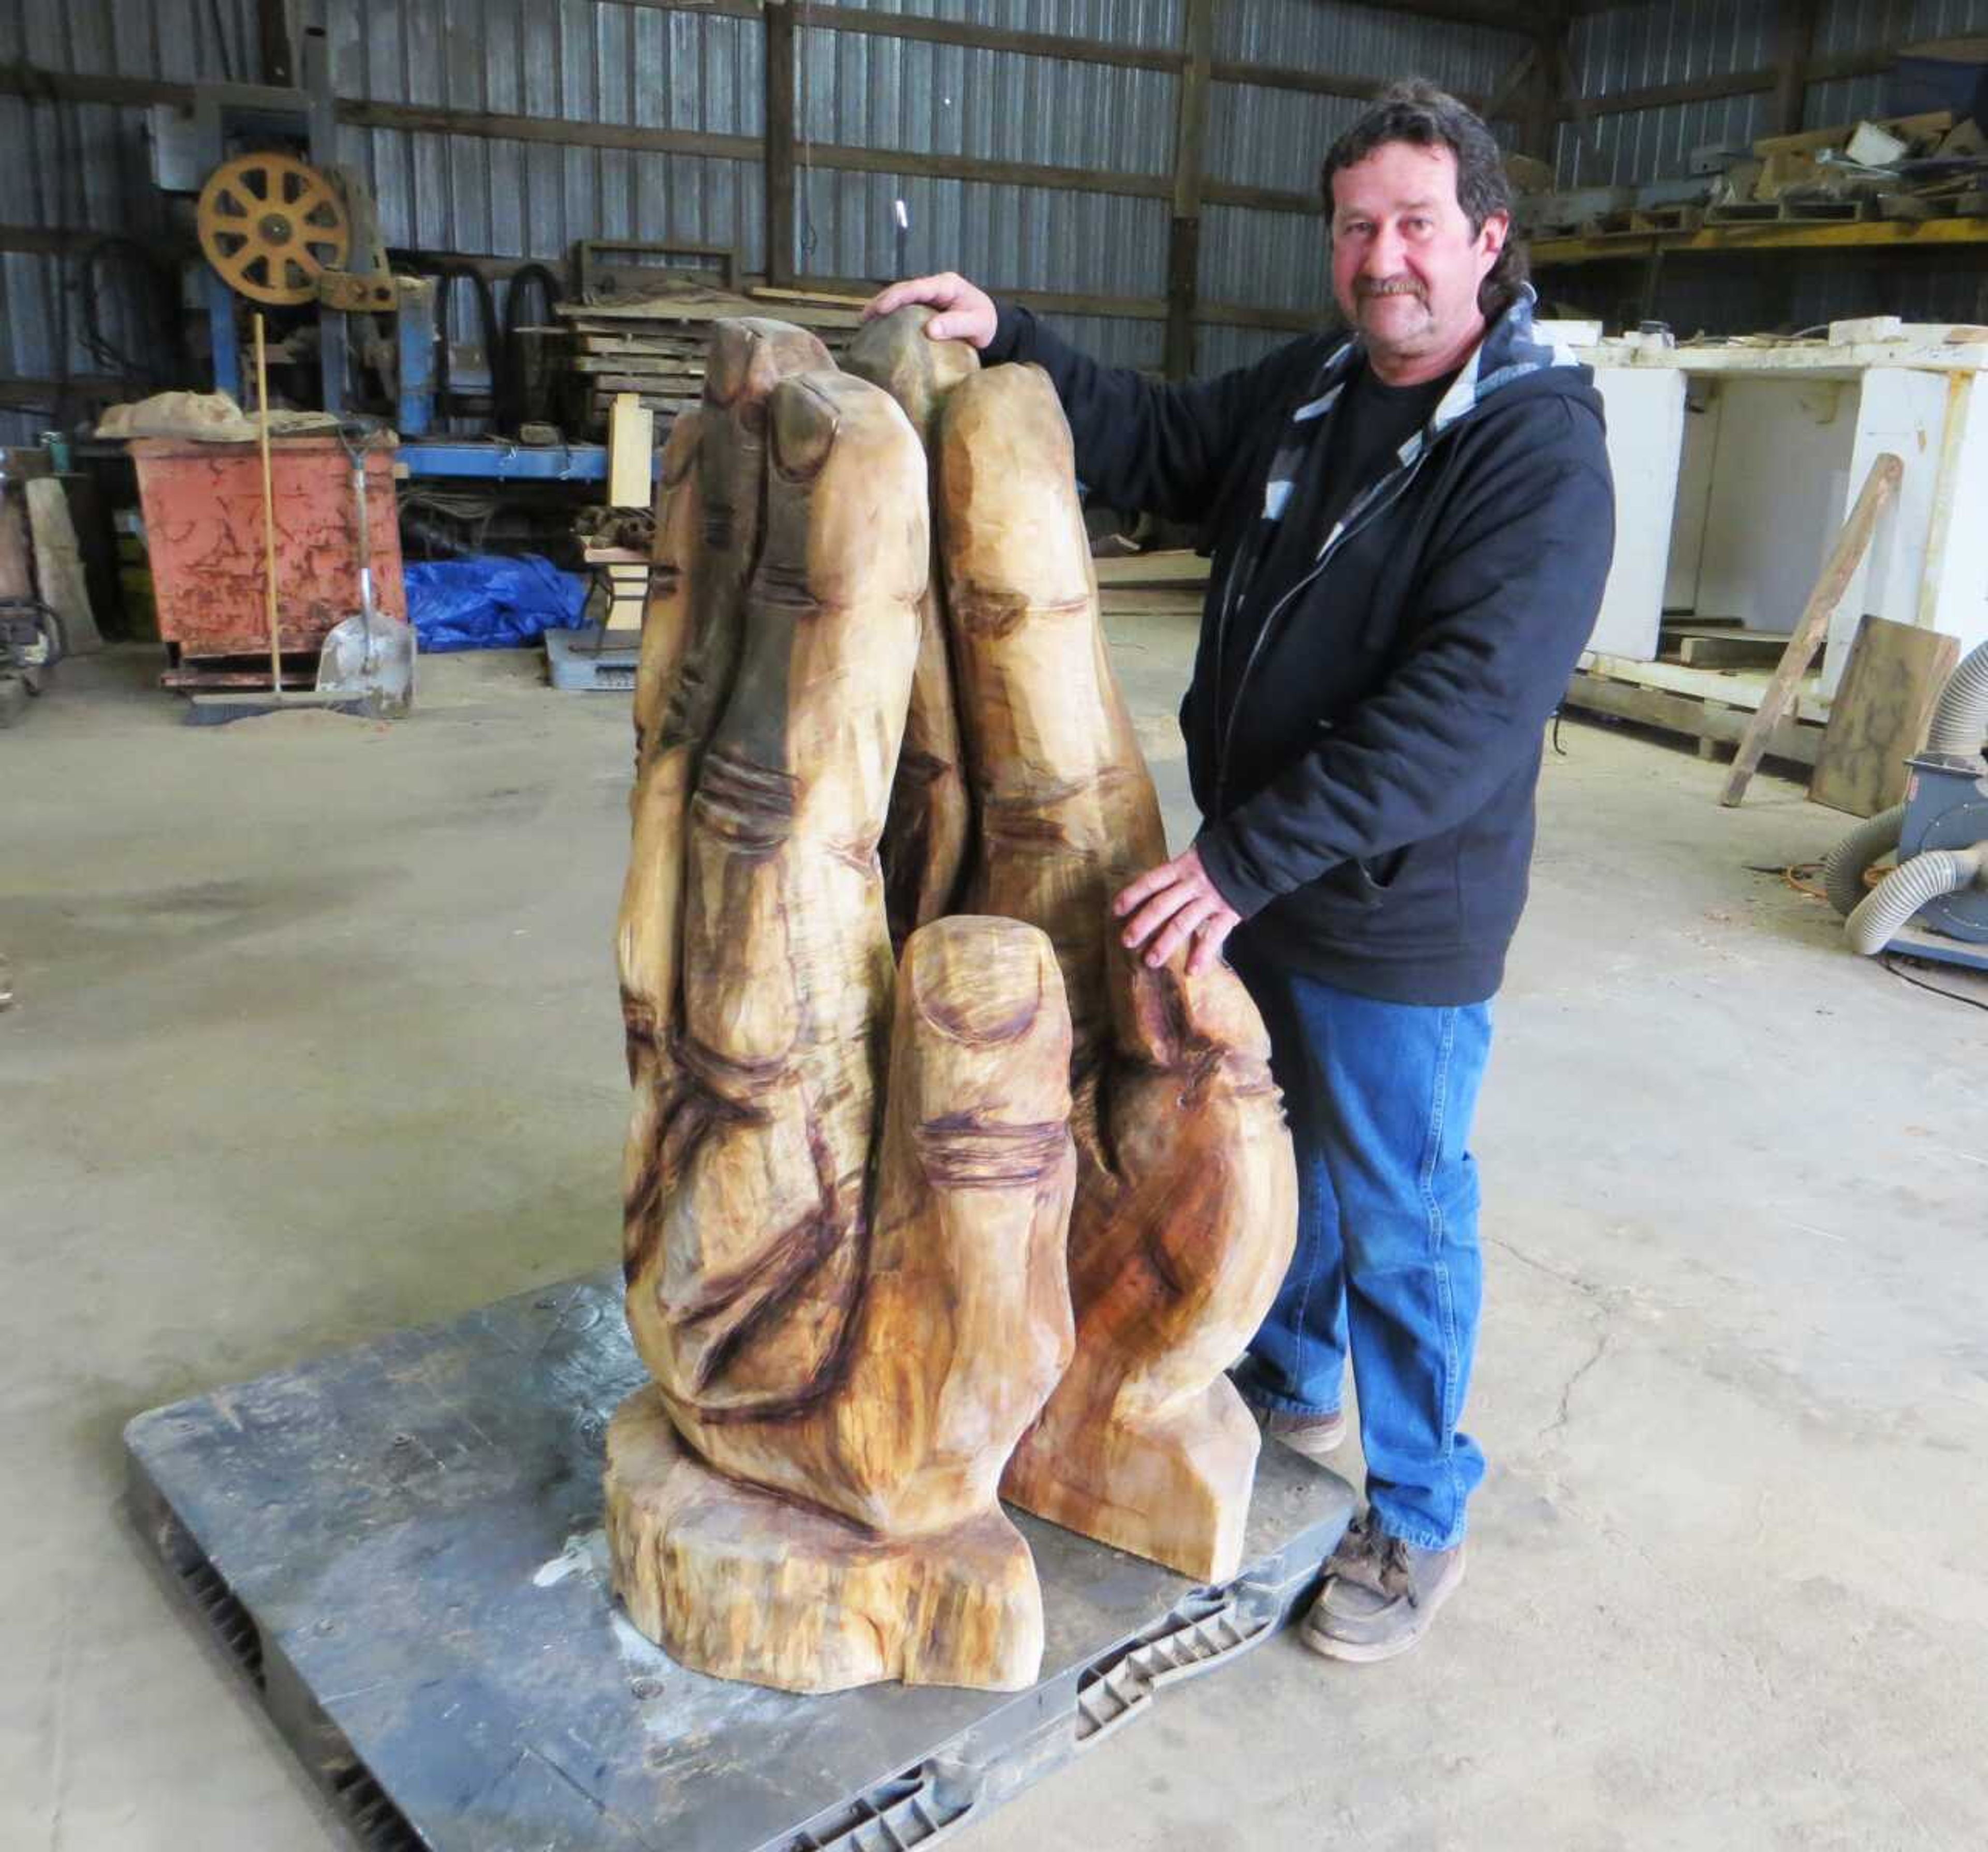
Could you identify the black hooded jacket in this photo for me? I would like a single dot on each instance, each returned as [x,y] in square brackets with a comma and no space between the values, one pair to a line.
[1366,773]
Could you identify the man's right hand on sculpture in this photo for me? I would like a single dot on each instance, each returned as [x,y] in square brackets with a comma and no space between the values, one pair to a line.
[966,312]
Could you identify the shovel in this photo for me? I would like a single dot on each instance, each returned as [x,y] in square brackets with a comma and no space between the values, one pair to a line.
[369,653]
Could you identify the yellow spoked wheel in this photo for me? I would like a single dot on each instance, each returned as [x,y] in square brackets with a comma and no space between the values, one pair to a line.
[271,224]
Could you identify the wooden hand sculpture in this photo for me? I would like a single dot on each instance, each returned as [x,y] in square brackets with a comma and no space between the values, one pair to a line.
[846,1193]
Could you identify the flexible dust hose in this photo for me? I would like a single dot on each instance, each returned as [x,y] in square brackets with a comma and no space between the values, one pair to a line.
[1960,716]
[1843,872]
[1906,889]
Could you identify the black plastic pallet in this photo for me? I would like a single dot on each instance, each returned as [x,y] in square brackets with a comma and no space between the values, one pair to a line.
[399,1546]
[585,661]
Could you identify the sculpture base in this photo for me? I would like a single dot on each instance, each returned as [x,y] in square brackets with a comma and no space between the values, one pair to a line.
[400,1544]
[742,1584]
[1174,1490]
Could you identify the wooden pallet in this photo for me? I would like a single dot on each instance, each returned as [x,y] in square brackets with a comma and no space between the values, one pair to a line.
[1963,204]
[1790,211]
[1666,218]
[1715,725]
[654,345]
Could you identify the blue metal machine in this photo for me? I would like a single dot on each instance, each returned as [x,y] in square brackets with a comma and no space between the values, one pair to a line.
[1934,904]
[188,145]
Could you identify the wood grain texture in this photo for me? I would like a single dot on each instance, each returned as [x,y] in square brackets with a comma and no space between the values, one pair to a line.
[750,1201]
[857,1535]
[1879,717]
[928,830]
[851,1311]
[1186,1213]
[741,1584]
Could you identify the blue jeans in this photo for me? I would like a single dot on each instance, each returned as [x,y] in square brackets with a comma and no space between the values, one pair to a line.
[1380,1097]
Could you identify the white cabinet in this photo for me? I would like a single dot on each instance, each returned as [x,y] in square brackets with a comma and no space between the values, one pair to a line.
[1736,464]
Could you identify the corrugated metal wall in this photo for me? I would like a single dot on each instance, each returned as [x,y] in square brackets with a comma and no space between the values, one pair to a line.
[1278,138]
[860,91]
[576,58]
[1634,47]
[633,63]
[84,166]
[1857,25]
[620,61]
[1637,47]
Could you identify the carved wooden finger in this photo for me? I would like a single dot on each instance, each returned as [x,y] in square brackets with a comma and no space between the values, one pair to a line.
[1186,1205]
[707,540]
[926,833]
[666,612]
[745,1267]
[1066,811]
[648,927]
[747,358]
[910,1571]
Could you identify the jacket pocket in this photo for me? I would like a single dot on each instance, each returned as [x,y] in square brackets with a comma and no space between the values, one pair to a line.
[1411,894]
[1379,873]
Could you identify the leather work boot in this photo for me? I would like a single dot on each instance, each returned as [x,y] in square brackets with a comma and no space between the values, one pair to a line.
[1380,1594]
[1315,1436]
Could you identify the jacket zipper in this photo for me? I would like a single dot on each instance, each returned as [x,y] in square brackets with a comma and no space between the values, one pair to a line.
[1345,531]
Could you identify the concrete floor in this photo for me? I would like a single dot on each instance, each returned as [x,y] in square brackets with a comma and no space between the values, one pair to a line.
[317,1037]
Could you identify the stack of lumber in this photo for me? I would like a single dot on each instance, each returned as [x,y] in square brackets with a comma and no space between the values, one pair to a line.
[653,345]
[1926,166]
[1904,167]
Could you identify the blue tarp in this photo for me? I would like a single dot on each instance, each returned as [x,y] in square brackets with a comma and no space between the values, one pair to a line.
[490,601]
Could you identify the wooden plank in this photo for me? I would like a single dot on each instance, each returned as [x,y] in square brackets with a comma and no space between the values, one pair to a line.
[1793,740]
[1731,688]
[1879,717]
[642,366]
[1881,486]
[1135,601]
[688,306]
[645,392]
[59,565]
[631,445]
[1663,95]
[1170,566]
[821,299]
[780,163]
[560,131]
[1749,650]
[17,568]
[1072,50]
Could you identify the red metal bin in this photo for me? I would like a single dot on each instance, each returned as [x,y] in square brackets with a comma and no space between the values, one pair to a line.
[203,508]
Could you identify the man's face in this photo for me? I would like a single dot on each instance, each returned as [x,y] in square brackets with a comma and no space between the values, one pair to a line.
[1405,263]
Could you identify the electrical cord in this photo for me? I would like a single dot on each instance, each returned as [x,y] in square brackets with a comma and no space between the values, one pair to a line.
[1889,961]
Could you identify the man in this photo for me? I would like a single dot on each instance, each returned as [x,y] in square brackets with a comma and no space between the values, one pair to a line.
[1410,530]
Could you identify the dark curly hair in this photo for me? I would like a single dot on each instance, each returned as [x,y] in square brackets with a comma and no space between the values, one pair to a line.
[1417,112]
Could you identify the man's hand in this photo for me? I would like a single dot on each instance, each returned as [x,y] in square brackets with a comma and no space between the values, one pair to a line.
[965,313]
[1178,902]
